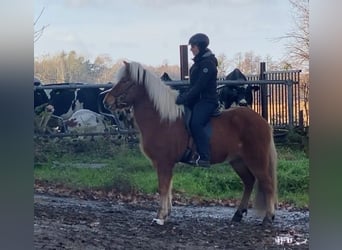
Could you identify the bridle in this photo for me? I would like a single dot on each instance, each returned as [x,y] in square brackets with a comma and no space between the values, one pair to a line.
[121,96]
[124,92]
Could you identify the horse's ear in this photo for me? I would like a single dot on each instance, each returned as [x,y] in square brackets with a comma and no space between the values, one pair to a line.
[126,67]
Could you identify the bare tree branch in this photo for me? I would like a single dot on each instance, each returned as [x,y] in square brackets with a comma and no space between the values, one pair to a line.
[297,45]
[39,32]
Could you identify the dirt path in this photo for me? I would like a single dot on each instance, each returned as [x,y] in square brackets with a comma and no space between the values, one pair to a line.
[72,223]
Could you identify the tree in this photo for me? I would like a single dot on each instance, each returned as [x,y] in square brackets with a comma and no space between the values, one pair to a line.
[71,67]
[39,32]
[248,63]
[271,64]
[298,38]
[103,70]
[222,65]
[298,48]
[62,67]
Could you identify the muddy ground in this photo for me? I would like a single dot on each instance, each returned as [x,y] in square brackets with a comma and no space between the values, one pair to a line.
[78,221]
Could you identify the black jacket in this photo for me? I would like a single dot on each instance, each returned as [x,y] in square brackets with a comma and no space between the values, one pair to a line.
[203,75]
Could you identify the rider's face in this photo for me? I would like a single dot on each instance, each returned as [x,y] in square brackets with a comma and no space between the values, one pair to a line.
[194,49]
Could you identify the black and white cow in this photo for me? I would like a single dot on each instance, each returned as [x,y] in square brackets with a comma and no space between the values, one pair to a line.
[81,109]
[42,109]
[78,109]
[86,121]
[89,98]
[239,95]
[63,101]
[40,96]
[68,100]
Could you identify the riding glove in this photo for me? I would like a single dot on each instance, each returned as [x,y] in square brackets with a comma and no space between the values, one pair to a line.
[181,99]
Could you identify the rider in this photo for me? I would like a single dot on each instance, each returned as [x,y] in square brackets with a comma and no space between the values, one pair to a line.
[201,97]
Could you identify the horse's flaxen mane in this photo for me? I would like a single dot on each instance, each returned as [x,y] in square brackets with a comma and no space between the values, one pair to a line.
[162,96]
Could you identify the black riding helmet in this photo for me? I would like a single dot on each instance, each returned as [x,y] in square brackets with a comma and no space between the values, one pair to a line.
[199,39]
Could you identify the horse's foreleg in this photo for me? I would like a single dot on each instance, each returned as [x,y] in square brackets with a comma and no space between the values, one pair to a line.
[165,192]
[248,180]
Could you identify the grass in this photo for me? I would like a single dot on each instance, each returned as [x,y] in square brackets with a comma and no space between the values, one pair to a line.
[293,176]
[127,170]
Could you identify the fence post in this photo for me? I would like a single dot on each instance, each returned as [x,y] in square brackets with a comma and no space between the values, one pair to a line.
[184,68]
[264,94]
[301,120]
[290,102]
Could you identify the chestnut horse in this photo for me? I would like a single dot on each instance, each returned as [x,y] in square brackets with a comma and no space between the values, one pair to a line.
[239,136]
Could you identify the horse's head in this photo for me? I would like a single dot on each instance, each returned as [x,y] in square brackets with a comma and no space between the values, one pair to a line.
[124,91]
[135,85]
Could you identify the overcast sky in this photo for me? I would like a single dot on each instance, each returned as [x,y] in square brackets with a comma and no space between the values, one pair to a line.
[150,31]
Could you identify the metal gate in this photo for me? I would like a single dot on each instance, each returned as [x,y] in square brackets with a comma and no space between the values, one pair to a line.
[279,104]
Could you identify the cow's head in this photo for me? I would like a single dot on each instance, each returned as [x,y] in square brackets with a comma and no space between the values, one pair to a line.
[245,95]
[237,95]
[231,96]
[40,96]
[62,100]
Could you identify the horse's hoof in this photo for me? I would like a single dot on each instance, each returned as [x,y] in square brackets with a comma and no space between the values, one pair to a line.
[267,221]
[237,218]
[158,222]
[238,215]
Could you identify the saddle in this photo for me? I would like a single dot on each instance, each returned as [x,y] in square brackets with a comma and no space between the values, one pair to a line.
[190,152]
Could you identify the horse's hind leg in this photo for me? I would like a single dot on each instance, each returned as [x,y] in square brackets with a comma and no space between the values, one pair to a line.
[165,192]
[264,200]
[248,180]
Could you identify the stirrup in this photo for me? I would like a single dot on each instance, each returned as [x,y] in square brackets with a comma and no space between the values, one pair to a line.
[197,160]
[194,161]
[200,163]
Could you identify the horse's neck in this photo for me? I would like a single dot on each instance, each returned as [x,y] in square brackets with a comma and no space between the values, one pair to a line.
[145,114]
[148,118]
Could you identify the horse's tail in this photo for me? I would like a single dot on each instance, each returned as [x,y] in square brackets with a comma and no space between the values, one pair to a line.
[260,203]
